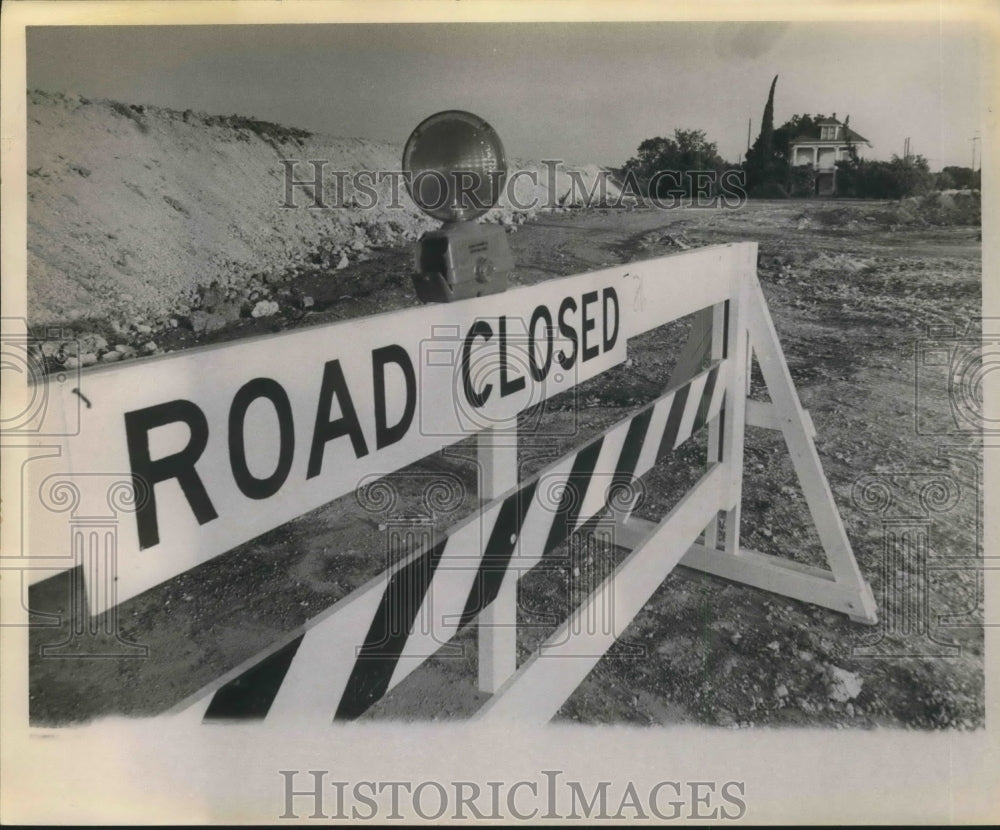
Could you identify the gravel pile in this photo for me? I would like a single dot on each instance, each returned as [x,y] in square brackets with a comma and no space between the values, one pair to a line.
[142,218]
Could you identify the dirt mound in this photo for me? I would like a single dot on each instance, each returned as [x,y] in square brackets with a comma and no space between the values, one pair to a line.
[945,207]
[940,207]
[133,210]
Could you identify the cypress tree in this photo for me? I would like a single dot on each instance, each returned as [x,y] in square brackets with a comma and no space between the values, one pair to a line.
[767,125]
[760,159]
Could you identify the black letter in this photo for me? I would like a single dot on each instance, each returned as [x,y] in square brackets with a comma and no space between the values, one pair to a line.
[326,430]
[479,329]
[609,342]
[180,465]
[567,331]
[507,388]
[260,488]
[384,434]
[588,324]
[539,374]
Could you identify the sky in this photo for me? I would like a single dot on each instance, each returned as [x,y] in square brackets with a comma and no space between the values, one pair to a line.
[582,92]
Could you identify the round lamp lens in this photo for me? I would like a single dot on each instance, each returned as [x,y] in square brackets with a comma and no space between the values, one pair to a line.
[456,166]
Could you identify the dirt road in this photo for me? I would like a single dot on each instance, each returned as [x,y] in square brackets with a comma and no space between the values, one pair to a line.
[852,296]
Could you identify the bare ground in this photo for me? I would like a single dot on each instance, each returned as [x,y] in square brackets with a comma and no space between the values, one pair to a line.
[852,294]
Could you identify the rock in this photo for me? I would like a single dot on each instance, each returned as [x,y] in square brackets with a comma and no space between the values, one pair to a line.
[843,685]
[87,359]
[111,357]
[781,691]
[308,302]
[344,262]
[229,311]
[198,321]
[204,323]
[142,328]
[50,348]
[125,350]
[92,343]
[265,308]
[212,297]
[725,718]
[150,347]
[849,709]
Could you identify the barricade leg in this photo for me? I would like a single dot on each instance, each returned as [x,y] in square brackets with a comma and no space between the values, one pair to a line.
[732,429]
[842,587]
[497,456]
[717,351]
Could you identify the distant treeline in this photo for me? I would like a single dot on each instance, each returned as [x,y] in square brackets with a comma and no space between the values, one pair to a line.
[770,170]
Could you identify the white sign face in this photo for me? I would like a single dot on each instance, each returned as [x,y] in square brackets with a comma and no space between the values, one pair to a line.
[183,457]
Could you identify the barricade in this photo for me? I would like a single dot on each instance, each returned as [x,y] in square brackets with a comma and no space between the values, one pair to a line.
[222,443]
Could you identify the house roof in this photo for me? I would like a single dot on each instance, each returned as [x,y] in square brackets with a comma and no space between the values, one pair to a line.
[813,136]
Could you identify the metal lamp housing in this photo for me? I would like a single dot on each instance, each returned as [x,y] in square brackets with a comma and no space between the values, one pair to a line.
[456,169]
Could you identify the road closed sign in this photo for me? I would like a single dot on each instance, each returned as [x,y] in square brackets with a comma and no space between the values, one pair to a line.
[185,456]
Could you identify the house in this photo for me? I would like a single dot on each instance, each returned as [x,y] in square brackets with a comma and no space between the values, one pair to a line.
[822,147]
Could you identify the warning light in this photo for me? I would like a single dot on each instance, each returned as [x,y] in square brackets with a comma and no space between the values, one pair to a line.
[456,169]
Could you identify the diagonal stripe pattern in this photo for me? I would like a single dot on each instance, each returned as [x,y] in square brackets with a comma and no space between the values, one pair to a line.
[449,583]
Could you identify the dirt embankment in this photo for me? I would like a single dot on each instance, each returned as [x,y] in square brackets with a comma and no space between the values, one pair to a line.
[135,211]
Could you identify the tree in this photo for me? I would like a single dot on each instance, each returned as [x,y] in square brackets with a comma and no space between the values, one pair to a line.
[761,164]
[893,179]
[686,152]
[962,177]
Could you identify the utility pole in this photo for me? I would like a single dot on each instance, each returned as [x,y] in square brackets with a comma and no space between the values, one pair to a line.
[749,120]
[974,139]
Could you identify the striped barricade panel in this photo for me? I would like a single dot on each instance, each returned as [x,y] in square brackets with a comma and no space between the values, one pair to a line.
[347,658]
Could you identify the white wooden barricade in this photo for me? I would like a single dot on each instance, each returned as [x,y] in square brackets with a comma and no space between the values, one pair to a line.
[330,405]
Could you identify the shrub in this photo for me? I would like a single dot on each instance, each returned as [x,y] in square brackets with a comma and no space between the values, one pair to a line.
[893,179]
[133,114]
[802,180]
[268,131]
